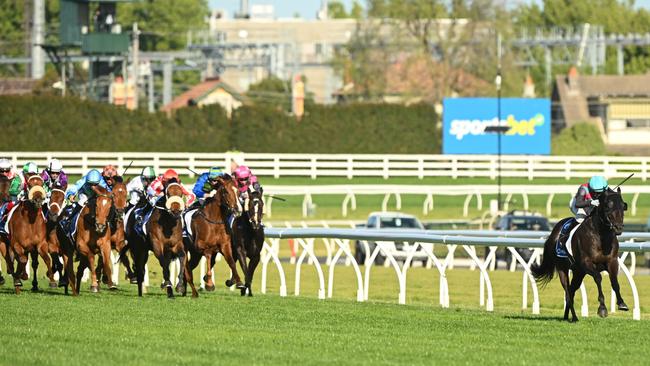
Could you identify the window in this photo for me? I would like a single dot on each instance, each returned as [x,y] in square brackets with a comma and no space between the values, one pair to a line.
[638,123]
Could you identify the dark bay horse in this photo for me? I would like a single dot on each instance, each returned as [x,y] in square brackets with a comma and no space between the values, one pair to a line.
[595,249]
[209,234]
[54,209]
[94,236]
[5,183]
[164,238]
[118,239]
[248,238]
[27,227]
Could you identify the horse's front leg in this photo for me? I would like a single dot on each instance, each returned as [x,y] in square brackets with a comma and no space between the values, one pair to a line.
[34,255]
[602,309]
[252,264]
[21,257]
[226,250]
[209,260]
[241,254]
[94,284]
[613,278]
[180,286]
[576,281]
[105,247]
[43,251]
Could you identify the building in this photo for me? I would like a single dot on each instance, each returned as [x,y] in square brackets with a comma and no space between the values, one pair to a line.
[211,91]
[619,105]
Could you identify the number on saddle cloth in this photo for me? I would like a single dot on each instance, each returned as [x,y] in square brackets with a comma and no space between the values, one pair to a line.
[142,216]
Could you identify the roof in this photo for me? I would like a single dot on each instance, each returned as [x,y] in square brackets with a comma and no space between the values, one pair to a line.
[615,85]
[16,86]
[200,91]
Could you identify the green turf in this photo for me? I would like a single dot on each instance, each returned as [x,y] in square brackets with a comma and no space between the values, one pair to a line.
[224,328]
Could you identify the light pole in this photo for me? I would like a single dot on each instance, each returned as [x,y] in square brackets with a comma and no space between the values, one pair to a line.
[498,128]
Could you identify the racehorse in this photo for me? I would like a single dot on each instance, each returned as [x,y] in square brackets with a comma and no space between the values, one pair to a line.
[164,237]
[595,249]
[27,228]
[209,234]
[248,238]
[54,209]
[118,241]
[93,236]
[5,183]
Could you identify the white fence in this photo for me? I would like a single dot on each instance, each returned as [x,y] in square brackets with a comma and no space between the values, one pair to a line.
[425,241]
[351,165]
[430,191]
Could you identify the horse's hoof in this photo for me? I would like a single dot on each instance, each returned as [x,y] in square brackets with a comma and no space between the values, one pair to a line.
[133,280]
[2,280]
[210,288]
[180,289]
[94,289]
[623,307]
[63,283]
[241,286]
[229,282]
[24,277]
[112,288]
[243,292]
[53,284]
[18,283]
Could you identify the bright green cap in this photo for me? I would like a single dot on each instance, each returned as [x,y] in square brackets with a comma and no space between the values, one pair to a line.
[148,172]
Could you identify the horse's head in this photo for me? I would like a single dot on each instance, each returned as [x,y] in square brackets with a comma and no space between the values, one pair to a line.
[255,209]
[57,202]
[103,205]
[5,183]
[120,195]
[174,198]
[227,191]
[35,190]
[612,210]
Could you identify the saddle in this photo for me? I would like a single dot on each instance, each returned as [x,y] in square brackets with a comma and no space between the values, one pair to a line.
[142,216]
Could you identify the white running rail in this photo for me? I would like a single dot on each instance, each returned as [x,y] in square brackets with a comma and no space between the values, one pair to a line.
[355,165]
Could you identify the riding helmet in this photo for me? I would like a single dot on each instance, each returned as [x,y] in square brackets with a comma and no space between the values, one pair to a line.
[30,168]
[93,177]
[598,183]
[55,166]
[148,172]
[214,173]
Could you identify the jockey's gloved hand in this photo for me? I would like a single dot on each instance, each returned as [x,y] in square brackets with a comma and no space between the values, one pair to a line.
[595,203]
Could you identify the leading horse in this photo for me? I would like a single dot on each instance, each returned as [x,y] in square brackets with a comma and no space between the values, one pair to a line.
[595,249]
[209,235]
[5,183]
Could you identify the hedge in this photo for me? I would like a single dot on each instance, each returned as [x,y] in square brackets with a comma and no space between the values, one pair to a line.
[38,123]
[579,139]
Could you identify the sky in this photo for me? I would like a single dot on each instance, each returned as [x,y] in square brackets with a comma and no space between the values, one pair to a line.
[308,8]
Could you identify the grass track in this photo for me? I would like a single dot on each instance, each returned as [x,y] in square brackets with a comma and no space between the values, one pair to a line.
[222,327]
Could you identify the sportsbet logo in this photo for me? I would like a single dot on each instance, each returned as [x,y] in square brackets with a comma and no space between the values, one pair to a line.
[462,127]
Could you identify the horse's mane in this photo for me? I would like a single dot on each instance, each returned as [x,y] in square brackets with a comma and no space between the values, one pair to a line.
[118,179]
[100,190]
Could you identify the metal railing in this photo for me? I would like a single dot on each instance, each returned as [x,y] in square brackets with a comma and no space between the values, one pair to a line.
[357,165]
[423,241]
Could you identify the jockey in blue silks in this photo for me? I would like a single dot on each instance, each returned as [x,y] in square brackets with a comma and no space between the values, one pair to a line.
[206,182]
[79,194]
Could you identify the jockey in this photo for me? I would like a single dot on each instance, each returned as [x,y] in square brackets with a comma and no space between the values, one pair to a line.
[206,183]
[79,194]
[582,204]
[54,174]
[30,169]
[137,187]
[243,176]
[586,199]
[108,174]
[82,190]
[156,189]
[7,169]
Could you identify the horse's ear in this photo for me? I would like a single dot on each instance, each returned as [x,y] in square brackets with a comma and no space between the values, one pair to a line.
[618,189]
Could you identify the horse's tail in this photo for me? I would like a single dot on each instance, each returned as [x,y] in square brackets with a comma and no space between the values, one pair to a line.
[544,272]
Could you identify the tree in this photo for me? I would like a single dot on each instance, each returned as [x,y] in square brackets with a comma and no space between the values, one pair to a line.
[336,10]
[164,23]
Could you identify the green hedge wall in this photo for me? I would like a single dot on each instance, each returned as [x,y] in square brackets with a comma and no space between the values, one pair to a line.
[40,123]
[580,139]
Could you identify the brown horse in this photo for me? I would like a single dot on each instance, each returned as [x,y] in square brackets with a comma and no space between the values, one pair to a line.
[94,236]
[595,249]
[118,242]
[209,234]
[248,238]
[164,238]
[27,227]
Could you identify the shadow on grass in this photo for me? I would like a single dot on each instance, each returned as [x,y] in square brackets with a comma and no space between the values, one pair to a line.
[534,318]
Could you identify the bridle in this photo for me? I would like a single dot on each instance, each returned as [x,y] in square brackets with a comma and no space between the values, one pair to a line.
[51,204]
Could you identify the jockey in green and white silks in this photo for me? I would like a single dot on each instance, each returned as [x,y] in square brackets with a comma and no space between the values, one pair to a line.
[137,187]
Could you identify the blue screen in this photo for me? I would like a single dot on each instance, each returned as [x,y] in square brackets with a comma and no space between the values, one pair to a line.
[465,119]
